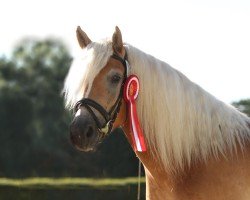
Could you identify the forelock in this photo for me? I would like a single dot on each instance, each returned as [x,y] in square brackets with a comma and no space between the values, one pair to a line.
[84,69]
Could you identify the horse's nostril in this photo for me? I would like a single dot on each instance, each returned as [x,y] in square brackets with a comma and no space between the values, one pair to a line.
[89,132]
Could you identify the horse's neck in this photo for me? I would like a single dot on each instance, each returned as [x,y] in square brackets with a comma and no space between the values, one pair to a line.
[223,178]
[218,179]
[158,182]
[200,181]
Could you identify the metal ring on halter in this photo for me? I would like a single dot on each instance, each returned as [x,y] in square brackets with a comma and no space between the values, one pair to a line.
[105,130]
[89,104]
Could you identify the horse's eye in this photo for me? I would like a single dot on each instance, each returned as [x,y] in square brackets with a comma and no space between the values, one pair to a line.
[115,79]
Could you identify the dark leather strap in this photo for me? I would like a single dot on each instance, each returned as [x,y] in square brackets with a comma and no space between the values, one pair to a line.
[122,60]
[89,103]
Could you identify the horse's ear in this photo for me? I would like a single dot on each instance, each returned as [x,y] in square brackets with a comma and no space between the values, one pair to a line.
[82,37]
[117,42]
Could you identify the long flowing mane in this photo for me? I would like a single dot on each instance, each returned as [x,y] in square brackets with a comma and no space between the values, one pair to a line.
[181,121]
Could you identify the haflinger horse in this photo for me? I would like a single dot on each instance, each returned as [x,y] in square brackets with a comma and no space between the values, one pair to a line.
[197,147]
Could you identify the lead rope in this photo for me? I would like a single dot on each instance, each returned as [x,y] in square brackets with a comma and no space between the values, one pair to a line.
[139,181]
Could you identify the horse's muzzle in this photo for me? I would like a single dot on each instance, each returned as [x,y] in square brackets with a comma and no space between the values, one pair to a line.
[84,133]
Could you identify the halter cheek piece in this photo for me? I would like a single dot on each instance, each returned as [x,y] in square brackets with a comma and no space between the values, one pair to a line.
[108,116]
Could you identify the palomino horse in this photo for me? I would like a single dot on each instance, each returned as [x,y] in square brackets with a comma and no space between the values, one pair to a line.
[197,146]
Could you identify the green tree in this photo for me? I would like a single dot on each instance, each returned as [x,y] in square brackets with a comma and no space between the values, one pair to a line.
[34,138]
[31,108]
[243,106]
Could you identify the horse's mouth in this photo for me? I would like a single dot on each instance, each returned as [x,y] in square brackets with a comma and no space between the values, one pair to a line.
[85,149]
[85,145]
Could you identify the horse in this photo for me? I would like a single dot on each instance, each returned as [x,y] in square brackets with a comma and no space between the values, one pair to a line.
[197,147]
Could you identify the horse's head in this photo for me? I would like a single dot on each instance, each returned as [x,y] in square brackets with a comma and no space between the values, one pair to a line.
[97,96]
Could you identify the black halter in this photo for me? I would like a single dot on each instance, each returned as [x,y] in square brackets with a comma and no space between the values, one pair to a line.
[108,116]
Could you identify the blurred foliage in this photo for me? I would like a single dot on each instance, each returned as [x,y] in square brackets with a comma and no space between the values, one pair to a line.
[34,124]
[243,106]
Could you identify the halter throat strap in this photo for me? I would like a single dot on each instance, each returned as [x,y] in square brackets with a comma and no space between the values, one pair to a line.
[111,115]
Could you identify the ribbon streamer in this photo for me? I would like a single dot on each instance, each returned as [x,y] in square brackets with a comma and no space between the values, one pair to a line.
[131,91]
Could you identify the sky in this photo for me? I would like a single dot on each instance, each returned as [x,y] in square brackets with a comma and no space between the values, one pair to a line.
[208,41]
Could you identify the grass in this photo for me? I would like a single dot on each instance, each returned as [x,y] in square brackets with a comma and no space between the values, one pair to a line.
[69,182]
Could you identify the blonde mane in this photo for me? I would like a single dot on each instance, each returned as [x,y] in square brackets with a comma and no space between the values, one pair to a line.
[182,123]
